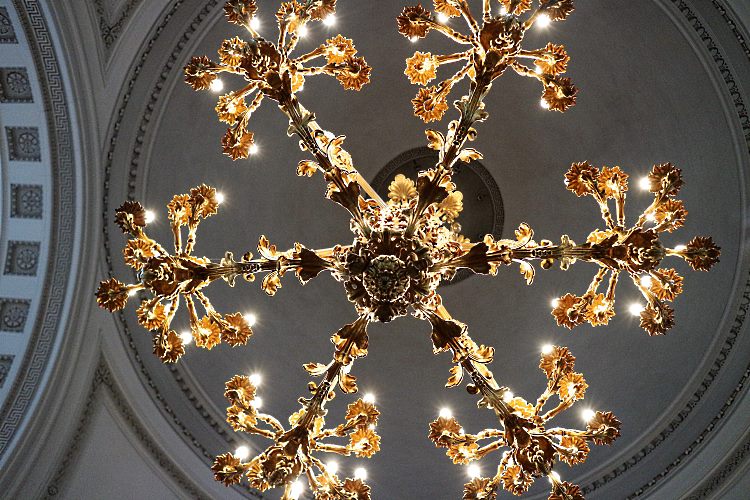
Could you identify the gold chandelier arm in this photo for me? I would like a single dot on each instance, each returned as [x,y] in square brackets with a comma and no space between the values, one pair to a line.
[328,153]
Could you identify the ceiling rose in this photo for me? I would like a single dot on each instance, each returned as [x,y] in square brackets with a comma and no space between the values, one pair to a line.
[403,248]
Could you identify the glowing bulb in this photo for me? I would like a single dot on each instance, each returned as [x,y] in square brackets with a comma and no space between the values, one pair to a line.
[296,490]
[186,337]
[257,403]
[503,11]
[587,415]
[644,183]
[253,149]
[461,430]
[242,452]
[219,198]
[636,309]
[538,70]
[554,303]
[250,318]
[330,20]
[255,23]
[256,379]
[544,104]
[507,396]
[414,39]
[446,412]
[680,248]
[543,21]
[547,348]
[554,477]
[217,85]
[132,292]
[650,217]
[442,18]
[150,216]
[369,398]
[473,471]
[645,281]
[360,473]
[371,427]
[302,31]
[332,467]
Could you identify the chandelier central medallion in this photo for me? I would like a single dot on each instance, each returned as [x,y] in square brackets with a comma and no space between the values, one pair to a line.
[402,249]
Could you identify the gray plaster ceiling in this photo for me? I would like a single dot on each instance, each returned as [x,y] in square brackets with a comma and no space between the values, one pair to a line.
[655,87]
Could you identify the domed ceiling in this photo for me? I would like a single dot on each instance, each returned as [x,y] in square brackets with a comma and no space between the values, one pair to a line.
[661,81]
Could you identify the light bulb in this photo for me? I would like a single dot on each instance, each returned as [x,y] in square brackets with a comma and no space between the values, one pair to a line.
[369,398]
[256,379]
[538,70]
[253,149]
[414,39]
[250,319]
[645,281]
[217,85]
[257,403]
[554,303]
[507,396]
[680,248]
[547,348]
[302,31]
[132,292]
[150,216]
[330,20]
[186,337]
[636,309]
[650,217]
[332,467]
[296,490]
[360,473]
[544,104]
[219,198]
[543,21]
[554,477]
[587,415]
[446,412]
[644,183]
[442,18]
[503,11]
[242,452]
[255,23]
[473,471]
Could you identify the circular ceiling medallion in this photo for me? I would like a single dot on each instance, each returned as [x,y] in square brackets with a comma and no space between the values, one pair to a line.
[483,204]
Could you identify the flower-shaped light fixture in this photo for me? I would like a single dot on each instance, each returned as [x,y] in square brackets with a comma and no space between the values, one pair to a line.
[403,248]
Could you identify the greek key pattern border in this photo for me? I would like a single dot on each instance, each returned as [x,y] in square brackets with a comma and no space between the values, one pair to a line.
[36,357]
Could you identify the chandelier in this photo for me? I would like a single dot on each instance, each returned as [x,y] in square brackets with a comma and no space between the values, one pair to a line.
[403,248]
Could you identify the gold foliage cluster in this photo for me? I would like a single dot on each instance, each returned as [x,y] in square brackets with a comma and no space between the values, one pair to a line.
[532,447]
[493,45]
[169,277]
[636,250]
[269,69]
[293,452]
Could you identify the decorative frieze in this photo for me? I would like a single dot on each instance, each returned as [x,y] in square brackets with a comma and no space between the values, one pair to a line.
[26,201]
[24,144]
[22,258]
[13,314]
[7,33]
[15,85]
[6,361]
